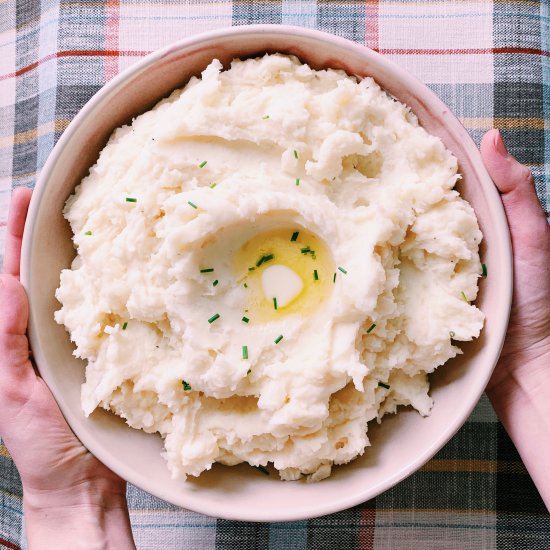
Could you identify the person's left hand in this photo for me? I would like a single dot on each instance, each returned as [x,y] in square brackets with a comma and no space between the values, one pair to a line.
[60,477]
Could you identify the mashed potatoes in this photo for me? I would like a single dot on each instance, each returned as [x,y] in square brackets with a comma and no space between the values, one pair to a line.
[268,260]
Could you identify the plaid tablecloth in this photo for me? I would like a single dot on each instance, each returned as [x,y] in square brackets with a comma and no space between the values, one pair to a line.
[489,61]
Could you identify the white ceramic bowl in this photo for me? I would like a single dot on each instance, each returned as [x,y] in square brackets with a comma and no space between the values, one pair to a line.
[403,443]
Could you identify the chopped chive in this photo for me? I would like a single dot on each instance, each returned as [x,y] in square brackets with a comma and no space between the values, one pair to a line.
[315,275]
[125,325]
[131,199]
[305,250]
[185,385]
[212,185]
[251,268]
[262,469]
[483,270]
[294,236]
[278,339]
[245,285]
[245,352]
[203,164]
[213,318]
[342,270]
[88,233]
[382,385]
[371,328]
[297,181]
[248,372]
[215,283]
[207,270]
[464,297]
[245,319]
[334,277]
[275,303]
[265,117]
[192,204]
[452,334]
[263,259]
[295,154]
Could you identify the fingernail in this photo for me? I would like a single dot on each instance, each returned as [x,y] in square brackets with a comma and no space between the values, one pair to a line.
[500,147]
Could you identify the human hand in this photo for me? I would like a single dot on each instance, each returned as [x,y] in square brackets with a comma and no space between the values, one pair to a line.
[520,386]
[528,336]
[71,500]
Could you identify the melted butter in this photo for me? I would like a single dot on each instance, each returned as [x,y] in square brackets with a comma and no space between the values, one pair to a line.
[254,265]
[281,282]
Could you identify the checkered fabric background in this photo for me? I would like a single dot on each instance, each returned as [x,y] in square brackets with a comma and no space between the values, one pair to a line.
[488,60]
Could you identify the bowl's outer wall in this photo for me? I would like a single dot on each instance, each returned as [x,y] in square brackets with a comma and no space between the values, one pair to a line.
[402,443]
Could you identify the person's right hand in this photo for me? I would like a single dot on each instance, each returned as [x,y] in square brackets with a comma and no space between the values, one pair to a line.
[528,336]
[520,386]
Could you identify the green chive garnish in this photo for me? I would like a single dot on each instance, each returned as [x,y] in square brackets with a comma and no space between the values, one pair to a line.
[275,303]
[315,275]
[212,185]
[464,297]
[297,181]
[251,268]
[294,236]
[371,328]
[215,283]
[262,469]
[213,318]
[203,164]
[125,325]
[245,285]
[265,117]
[192,204]
[207,270]
[245,319]
[483,270]
[248,372]
[88,233]
[263,259]
[305,250]
[342,270]
[295,154]
[334,278]
[382,385]
[245,352]
[452,334]
[185,385]
[131,199]
[278,339]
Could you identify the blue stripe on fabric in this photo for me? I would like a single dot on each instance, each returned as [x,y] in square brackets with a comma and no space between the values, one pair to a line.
[290,535]
[304,14]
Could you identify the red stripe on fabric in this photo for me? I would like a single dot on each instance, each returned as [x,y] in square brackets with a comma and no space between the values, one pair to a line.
[111,37]
[465,51]
[372,38]
[9,544]
[367,523]
[75,53]
[131,53]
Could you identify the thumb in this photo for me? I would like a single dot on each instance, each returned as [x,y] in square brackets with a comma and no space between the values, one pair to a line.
[14,346]
[525,215]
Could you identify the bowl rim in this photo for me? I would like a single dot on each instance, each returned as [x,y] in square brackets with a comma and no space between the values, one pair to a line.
[220,509]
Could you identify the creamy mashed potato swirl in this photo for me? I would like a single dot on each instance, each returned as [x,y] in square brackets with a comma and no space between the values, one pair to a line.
[268,181]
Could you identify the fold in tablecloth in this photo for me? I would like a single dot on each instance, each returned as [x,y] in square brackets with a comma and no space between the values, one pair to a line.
[489,61]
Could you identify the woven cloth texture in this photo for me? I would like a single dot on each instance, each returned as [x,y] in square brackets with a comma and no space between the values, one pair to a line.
[489,61]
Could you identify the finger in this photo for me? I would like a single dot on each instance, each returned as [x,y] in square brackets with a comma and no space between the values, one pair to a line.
[515,183]
[16,222]
[14,313]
